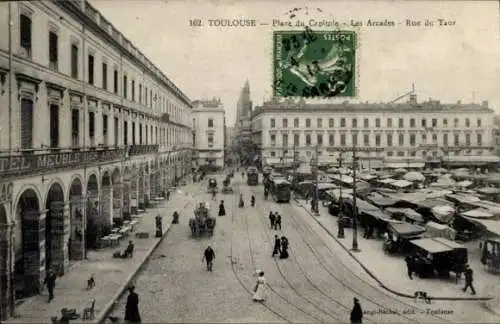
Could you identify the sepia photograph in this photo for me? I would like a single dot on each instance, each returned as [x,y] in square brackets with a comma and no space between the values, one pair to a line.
[266,161]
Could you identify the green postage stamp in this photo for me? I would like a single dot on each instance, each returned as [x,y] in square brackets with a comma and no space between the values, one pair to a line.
[314,64]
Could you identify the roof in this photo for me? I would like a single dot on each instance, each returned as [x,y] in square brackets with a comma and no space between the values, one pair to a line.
[489,191]
[449,243]
[401,183]
[327,186]
[431,245]
[407,229]
[281,181]
[407,212]
[478,213]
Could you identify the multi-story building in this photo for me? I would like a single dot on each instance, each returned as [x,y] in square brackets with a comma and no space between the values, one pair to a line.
[496,135]
[209,124]
[391,135]
[90,131]
[243,126]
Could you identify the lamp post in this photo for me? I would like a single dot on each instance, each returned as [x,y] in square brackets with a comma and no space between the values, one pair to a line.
[355,208]
[340,233]
[316,204]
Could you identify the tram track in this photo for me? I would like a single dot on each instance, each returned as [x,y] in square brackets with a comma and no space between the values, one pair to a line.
[368,295]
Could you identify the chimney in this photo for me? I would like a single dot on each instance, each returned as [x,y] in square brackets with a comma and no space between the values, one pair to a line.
[413,99]
[484,104]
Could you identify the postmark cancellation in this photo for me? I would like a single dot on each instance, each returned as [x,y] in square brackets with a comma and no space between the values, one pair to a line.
[314,64]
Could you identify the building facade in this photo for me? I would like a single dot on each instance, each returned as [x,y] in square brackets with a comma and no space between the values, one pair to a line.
[209,125]
[90,130]
[384,135]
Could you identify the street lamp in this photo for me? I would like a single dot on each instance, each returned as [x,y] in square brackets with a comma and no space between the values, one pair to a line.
[340,224]
[355,208]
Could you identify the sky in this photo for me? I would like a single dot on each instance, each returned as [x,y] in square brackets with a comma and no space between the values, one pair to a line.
[460,61]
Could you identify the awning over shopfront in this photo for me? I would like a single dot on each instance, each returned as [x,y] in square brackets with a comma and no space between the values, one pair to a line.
[411,165]
[473,159]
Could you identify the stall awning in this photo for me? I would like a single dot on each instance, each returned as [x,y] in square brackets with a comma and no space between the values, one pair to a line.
[407,212]
[406,229]
[462,198]
[440,230]
[386,181]
[380,200]
[479,213]
[473,159]
[431,245]
[401,183]
[491,226]
[411,165]
[489,191]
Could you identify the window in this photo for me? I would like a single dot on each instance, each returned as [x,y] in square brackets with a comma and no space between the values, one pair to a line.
[273,123]
[74,61]
[285,123]
[308,139]
[467,122]
[54,126]
[445,122]
[125,86]
[116,131]
[342,139]
[412,122]
[308,123]
[105,129]
[455,122]
[53,51]
[354,139]
[424,138]
[273,140]
[479,122]
[389,139]
[467,139]
[377,140]
[125,132]
[273,154]
[401,139]
[308,154]
[210,140]
[319,122]
[424,122]
[25,33]
[319,139]
[140,93]
[92,127]
[445,139]
[390,153]
[210,123]
[115,81]
[413,140]
[366,140]
[354,123]
[75,127]
[150,98]
[434,138]
[401,123]
[389,122]
[140,134]
[105,76]
[90,67]
[479,139]
[342,122]
[434,122]
[331,140]
[296,139]
[284,139]
[296,123]
[377,122]
[133,90]
[146,96]
[331,123]
[456,140]
[400,153]
[366,123]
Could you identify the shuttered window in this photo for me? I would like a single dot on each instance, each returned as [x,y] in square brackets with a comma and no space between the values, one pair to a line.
[75,127]
[125,133]
[116,131]
[26,124]
[91,124]
[54,126]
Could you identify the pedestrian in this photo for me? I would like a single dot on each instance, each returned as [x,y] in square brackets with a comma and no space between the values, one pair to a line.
[253,201]
[284,248]
[277,246]
[277,224]
[209,256]
[260,288]
[222,209]
[272,219]
[409,266]
[469,279]
[356,313]
[242,203]
[50,282]
[168,194]
[132,314]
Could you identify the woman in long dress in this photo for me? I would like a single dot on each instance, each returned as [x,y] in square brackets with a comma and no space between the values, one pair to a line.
[222,209]
[260,288]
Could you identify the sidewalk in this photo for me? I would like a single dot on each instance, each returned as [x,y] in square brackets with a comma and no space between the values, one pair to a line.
[385,268]
[112,276]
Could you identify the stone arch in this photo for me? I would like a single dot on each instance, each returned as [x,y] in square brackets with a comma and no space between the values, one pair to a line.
[60,185]
[128,186]
[92,183]
[76,248]
[117,209]
[54,228]
[4,273]
[141,187]
[29,259]
[116,176]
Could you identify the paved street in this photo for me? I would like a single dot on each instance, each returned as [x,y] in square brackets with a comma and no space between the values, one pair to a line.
[316,284]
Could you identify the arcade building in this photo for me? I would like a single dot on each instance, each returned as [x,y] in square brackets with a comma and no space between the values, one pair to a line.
[90,132]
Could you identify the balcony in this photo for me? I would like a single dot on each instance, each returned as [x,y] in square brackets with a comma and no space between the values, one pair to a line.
[135,150]
[19,164]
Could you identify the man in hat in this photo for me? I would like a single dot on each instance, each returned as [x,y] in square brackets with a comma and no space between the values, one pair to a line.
[356,313]
[277,246]
[132,314]
[50,282]
[209,256]
[272,219]
[468,279]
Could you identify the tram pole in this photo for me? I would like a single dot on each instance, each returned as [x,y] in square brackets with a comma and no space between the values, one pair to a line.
[355,208]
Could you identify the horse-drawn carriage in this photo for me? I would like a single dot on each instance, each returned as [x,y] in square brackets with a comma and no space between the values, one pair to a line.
[202,222]
[227,185]
[212,185]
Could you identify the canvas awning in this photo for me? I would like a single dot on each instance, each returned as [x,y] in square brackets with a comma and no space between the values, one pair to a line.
[407,212]
[491,226]
[478,213]
[380,200]
[472,159]
[431,245]
[462,198]
[398,165]
[401,183]
[434,229]
[406,229]
[489,191]
[386,181]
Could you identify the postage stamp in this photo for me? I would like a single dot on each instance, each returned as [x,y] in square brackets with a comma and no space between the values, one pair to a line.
[314,64]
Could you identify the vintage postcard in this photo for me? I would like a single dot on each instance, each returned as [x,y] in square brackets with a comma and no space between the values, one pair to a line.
[220,161]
